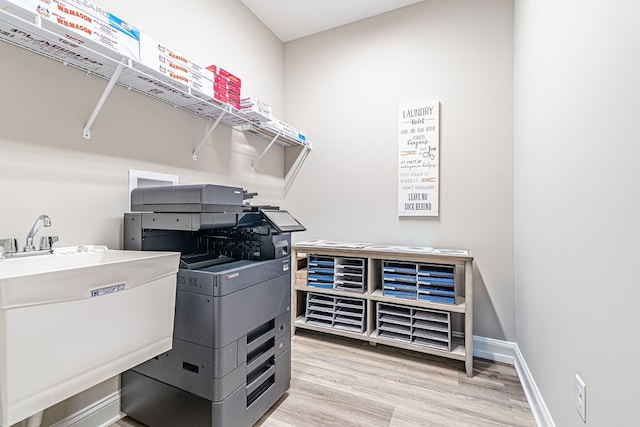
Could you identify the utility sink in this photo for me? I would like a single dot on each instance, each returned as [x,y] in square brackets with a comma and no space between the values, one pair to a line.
[72,319]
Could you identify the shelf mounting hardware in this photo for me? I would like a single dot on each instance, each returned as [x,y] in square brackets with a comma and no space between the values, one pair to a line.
[256,161]
[206,137]
[86,132]
[295,168]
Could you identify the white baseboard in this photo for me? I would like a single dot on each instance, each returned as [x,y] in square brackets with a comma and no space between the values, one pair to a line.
[102,413]
[540,411]
[496,350]
[509,352]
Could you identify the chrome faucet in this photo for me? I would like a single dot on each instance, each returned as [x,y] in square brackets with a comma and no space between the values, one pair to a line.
[42,220]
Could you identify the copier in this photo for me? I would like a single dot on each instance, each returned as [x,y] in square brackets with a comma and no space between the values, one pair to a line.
[230,360]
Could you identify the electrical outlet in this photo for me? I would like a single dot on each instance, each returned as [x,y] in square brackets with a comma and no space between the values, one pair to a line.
[581,398]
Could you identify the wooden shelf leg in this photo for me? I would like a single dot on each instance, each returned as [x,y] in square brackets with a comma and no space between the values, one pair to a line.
[468,318]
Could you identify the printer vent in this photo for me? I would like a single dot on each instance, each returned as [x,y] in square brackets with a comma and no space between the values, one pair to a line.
[261,366]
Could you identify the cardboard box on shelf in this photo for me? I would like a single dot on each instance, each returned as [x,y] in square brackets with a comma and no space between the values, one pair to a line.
[150,47]
[24,9]
[224,74]
[278,126]
[252,101]
[53,44]
[227,92]
[101,30]
[199,69]
[201,80]
[255,109]
[159,69]
[172,67]
[203,86]
[226,80]
[301,274]
[302,260]
[80,23]
[229,88]
[301,277]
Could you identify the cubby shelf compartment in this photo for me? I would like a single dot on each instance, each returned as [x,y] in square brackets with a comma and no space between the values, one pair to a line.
[350,274]
[321,272]
[340,273]
[347,314]
[399,280]
[424,282]
[436,283]
[418,326]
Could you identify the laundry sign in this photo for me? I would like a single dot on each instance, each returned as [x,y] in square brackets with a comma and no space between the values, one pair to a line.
[418,158]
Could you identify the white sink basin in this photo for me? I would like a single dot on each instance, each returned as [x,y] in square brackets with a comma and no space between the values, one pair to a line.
[75,318]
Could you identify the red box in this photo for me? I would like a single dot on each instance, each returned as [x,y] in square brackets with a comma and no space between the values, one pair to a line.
[226,89]
[230,76]
[224,73]
[226,80]
[232,96]
[223,81]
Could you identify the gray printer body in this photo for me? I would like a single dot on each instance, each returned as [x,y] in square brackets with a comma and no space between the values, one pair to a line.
[230,360]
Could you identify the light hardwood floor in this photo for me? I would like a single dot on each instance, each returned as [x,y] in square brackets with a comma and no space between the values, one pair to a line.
[340,382]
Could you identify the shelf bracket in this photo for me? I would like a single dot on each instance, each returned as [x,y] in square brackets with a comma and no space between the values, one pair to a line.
[256,161]
[207,136]
[295,168]
[86,132]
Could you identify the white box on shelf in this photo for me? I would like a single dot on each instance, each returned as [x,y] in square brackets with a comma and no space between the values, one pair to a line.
[51,44]
[202,82]
[172,67]
[255,102]
[150,47]
[278,126]
[255,109]
[25,9]
[155,61]
[84,23]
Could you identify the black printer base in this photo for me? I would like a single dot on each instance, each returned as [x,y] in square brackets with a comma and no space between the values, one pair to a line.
[158,404]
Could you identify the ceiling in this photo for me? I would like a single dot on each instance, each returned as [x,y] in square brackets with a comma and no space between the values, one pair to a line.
[292,19]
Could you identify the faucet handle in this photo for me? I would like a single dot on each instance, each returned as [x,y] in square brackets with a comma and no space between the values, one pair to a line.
[8,245]
[46,242]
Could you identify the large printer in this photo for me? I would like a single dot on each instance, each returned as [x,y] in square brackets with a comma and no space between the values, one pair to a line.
[230,360]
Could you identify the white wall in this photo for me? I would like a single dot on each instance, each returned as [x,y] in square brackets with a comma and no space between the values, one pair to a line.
[47,167]
[344,87]
[577,103]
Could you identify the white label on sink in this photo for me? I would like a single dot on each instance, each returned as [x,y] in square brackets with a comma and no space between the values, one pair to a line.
[107,290]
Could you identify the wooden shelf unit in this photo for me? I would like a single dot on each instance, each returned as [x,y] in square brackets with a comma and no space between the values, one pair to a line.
[457,317]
